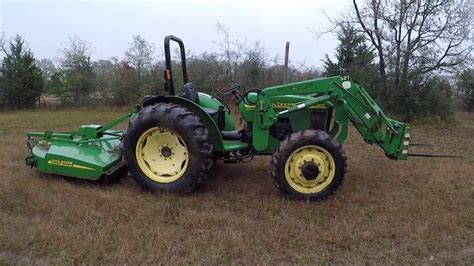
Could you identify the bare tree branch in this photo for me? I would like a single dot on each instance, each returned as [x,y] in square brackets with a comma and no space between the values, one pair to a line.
[416,37]
[374,36]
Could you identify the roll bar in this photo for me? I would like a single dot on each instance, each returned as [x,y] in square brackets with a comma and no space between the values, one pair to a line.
[169,86]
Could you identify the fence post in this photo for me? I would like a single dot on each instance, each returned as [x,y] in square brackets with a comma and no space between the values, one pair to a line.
[285,71]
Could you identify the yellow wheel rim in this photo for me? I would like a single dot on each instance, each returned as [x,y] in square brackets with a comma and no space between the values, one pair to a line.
[300,170]
[162,155]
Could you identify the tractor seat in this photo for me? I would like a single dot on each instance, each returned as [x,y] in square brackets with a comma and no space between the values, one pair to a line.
[191,93]
[210,111]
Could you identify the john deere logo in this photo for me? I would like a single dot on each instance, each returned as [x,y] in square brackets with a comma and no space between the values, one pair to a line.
[68,164]
[280,105]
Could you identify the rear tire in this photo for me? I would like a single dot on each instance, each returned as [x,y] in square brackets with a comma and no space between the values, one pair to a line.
[308,165]
[167,148]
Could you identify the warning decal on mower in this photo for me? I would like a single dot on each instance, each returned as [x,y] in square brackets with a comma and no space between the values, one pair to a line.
[68,164]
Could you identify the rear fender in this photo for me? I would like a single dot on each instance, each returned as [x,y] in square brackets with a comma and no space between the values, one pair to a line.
[214,133]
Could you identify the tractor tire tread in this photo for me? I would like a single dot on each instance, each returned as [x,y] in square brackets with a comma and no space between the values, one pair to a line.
[296,140]
[190,128]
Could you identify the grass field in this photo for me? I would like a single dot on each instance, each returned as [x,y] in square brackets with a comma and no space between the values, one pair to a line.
[415,211]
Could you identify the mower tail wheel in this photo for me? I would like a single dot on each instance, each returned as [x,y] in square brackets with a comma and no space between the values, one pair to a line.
[167,148]
[308,165]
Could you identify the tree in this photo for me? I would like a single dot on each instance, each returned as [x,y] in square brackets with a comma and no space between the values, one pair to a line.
[106,74]
[351,53]
[3,87]
[252,69]
[79,77]
[125,92]
[206,71]
[414,41]
[2,45]
[48,69]
[22,80]
[2,80]
[225,45]
[140,55]
[231,51]
[415,38]
[465,86]
[434,99]
[56,85]
[354,57]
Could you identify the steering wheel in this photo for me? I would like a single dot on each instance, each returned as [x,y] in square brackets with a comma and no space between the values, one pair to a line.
[234,91]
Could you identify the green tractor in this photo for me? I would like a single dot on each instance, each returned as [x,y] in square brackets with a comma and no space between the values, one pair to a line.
[172,140]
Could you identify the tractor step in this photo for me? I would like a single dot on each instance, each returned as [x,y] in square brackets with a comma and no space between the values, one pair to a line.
[231,135]
[234,145]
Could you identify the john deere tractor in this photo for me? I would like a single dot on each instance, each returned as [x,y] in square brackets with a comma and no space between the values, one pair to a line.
[173,139]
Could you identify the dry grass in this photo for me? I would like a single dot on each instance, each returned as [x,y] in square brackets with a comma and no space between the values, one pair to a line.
[416,211]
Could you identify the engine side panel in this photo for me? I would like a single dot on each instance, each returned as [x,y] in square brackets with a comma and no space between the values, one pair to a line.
[315,117]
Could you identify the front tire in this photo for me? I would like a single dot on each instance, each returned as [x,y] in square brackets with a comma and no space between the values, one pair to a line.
[167,148]
[308,165]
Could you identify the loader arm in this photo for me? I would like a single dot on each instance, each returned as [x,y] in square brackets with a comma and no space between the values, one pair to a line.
[351,102]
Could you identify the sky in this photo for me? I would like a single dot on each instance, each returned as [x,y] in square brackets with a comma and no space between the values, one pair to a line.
[108,25]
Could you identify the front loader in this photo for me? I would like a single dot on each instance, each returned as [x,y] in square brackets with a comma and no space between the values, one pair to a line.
[173,139]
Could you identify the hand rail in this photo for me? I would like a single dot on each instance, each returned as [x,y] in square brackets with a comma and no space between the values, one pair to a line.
[169,86]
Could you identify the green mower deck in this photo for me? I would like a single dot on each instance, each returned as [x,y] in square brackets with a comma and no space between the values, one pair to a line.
[91,153]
